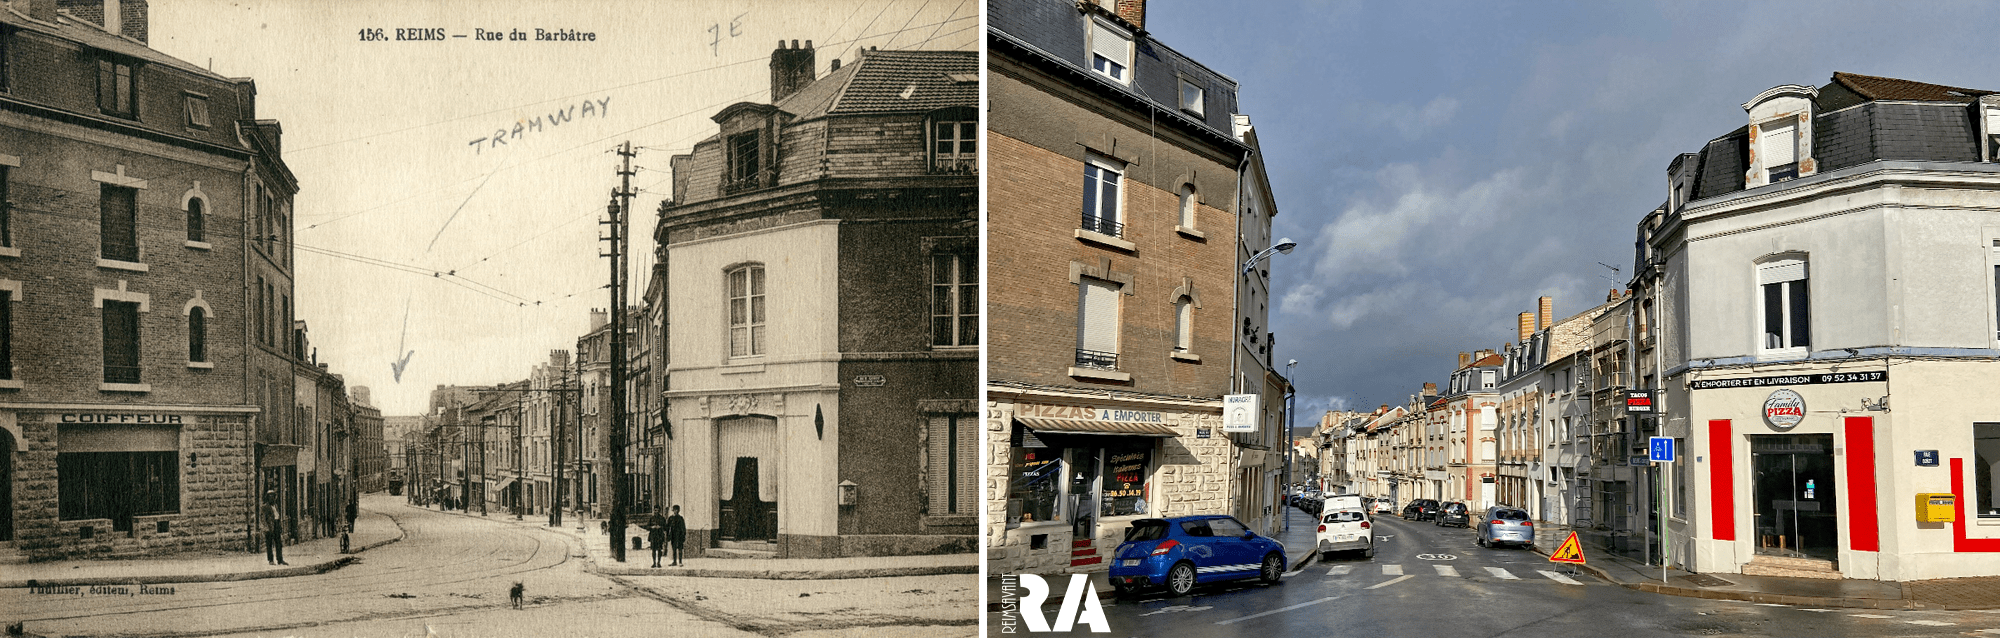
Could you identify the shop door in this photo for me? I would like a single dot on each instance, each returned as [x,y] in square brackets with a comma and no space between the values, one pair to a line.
[745,516]
[1794,500]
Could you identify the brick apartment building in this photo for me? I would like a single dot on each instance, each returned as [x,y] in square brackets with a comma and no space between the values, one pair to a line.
[1123,195]
[145,329]
[822,310]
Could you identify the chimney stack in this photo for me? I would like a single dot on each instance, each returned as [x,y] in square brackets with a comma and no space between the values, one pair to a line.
[558,359]
[792,68]
[1133,11]
[1430,389]
[1548,312]
[598,318]
[361,395]
[1464,359]
[1525,324]
[123,17]
[1382,410]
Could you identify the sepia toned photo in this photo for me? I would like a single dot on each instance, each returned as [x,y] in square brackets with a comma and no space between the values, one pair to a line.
[469,318]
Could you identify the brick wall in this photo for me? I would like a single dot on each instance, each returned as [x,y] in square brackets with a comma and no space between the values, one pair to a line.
[215,495]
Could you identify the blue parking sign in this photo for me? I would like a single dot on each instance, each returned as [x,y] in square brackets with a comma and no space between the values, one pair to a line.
[1660,449]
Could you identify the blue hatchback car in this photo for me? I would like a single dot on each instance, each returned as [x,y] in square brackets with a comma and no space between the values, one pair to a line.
[1179,552]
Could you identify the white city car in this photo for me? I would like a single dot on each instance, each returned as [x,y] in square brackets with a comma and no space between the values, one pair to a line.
[1346,530]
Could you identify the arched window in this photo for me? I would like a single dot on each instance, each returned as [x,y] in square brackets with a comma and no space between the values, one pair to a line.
[1187,205]
[197,334]
[746,311]
[194,210]
[1183,324]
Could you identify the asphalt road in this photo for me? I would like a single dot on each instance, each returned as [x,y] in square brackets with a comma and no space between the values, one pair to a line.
[448,577]
[1426,581]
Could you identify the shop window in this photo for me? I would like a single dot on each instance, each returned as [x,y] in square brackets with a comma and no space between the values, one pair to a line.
[1034,484]
[954,300]
[1126,470]
[1101,178]
[746,311]
[117,485]
[953,475]
[1787,309]
[1986,468]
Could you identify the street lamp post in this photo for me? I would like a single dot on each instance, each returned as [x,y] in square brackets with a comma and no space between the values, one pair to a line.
[1284,246]
[1291,393]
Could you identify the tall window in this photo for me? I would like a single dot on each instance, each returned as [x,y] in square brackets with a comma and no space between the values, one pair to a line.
[197,335]
[263,311]
[6,334]
[746,311]
[1787,305]
[1110,52]
[1097,324]
[1996,279]
[1985,468]
[1188,202]
[119,229]
[114,89]
[953,473]
[6,208]
[954,300]
[1100,196]
[195,206]
[743,158]
[1183,324]
[955,142]
[121,342]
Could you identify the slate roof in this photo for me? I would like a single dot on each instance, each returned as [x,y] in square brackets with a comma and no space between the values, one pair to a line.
[891,82]
[89,34]
[1881,88]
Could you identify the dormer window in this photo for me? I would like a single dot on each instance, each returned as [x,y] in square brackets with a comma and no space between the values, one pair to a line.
[1110,52]
[1778,143]
[115,88]
[1192,98]
[954,141]
[1780,135]
[743,161]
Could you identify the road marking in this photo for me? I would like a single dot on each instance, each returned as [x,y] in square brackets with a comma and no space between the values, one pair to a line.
[1771,605]
[1436,557]
[1392,570]
[1988,631]
[1391,581]
[1446,570]
[1340,570]
[1279,610]
[1870,616]
[1930,623]
[1174,609]
[1818,610]
[1502,574]
[1558,577]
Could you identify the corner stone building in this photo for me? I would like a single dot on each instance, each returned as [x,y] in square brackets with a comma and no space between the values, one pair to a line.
[822,303]
[127,322]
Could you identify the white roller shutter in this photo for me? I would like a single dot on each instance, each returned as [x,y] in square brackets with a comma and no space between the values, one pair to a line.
[1111,44]
[1781,271]
[1098,325]
[952,472]
[1779,145]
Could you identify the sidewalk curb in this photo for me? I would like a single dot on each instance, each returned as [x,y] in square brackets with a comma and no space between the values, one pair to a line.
[792,574]
[1754,597]
[168,579]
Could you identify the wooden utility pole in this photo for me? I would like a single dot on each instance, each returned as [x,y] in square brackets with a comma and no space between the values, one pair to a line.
[620,223]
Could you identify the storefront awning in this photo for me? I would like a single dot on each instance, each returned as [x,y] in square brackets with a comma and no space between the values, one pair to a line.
[1078,426]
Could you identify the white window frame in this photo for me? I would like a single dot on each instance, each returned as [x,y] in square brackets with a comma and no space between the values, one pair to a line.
[1123,73]
[956,290]
[1197,105]
[756,343]
[1190,199]
[1786,349]
[1115,204]
[1992,235]
[1116,290]
[1184,325]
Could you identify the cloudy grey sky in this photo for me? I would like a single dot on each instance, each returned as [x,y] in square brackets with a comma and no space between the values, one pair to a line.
[382,137]
[1442,164]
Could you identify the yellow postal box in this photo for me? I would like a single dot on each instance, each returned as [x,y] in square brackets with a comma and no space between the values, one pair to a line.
[1937,508]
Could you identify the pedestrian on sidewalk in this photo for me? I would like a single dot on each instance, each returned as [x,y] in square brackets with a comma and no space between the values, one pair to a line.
[353,512]
[274,537]
[677,533]
[656,536]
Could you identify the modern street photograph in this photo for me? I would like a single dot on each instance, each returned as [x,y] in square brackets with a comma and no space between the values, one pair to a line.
[1492,319]
[533,318]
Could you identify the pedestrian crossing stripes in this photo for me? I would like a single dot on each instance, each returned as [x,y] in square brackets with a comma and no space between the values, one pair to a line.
[1930,623]
[1450,571]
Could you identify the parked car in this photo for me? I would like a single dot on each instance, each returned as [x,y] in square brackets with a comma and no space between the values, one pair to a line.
[1343,502]
[1381,506]
[1179,553]
[1503,524]
[1454,515]
[1346,530]
[1422,509]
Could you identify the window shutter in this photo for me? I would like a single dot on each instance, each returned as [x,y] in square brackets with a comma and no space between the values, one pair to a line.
[952,473]
[1779,145]
[1099,330]
[1108,43]
[1781,271]
[1184,324]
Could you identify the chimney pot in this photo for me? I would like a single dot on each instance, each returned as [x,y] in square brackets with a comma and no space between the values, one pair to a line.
[836,65]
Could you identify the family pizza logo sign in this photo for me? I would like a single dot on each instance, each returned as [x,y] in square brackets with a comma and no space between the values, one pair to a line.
[1784,409]
[1079,605]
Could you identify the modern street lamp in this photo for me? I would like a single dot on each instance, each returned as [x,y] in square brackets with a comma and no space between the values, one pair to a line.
[1285,246]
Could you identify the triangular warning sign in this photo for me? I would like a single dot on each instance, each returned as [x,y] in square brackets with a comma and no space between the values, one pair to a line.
[1571,551]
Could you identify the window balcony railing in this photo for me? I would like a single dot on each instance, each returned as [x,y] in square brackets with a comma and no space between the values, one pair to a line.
[1104,226]
[1096,359]
[942,165]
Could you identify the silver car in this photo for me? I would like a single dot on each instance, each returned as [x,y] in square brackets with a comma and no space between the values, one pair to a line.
[1503,524]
